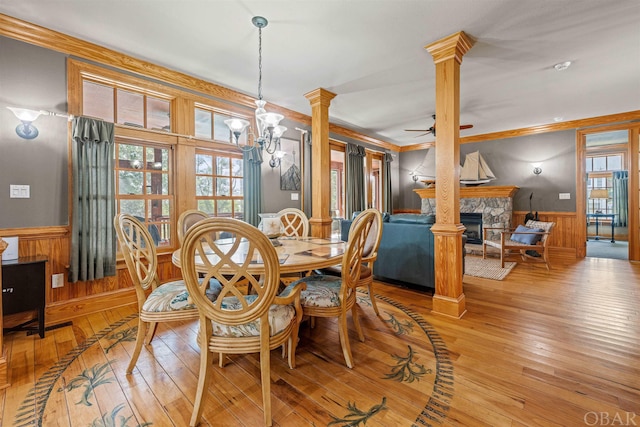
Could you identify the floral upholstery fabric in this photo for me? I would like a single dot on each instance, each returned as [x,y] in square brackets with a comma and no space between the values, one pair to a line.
[322,291]
[172,296]
[280,316]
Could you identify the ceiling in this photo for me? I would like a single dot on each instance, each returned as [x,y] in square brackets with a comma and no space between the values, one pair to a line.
[371,54]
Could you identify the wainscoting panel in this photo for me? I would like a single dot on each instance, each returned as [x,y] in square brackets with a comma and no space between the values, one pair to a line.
[563,238]
[72,299]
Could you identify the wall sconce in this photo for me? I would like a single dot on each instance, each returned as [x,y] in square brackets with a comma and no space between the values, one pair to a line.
[537,168]
[26,129]
[276,157]
[414,177]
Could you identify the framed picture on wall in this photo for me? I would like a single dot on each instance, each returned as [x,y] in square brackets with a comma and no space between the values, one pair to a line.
[290,170]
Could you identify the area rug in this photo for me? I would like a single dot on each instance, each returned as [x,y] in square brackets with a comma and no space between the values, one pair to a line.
[488,268]
[413,357]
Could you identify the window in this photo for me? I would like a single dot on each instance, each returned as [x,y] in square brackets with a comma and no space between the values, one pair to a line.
[599,169]
[126,106]
[219,184]
[144,188]
[210,125]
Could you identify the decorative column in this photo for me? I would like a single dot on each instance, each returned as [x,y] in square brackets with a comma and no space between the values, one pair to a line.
[4,377]
[447,53]
[320,220]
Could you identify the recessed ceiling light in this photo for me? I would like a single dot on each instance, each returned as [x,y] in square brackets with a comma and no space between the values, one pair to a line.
[558,119]
[562,66]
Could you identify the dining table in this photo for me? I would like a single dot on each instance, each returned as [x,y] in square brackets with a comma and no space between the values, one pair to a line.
[295,254]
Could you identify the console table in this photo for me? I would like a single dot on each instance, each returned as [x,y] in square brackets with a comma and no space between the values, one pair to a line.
[597,216]
[23,289]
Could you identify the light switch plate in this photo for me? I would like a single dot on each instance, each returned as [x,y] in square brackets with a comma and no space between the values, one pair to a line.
[57,280]
[295,196]
[19,191]
[565,196]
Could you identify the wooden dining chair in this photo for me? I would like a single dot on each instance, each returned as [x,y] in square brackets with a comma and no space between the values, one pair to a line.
[331,296]
[236,323]
[187,219]
[167,301]
[294,222]
[368,257]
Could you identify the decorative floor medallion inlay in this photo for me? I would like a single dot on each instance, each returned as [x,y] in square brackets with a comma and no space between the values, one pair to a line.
[409,353]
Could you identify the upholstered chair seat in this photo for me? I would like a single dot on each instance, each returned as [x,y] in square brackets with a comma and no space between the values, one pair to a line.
[280,317]
[173,296]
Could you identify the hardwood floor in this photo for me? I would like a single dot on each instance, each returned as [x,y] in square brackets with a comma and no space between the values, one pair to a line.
[558,348]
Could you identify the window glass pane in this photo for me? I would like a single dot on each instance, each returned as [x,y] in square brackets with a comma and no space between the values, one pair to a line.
[224,208]
[97,101]
[203,124]
[589,165]
[130,182]
[599,163]
[204,186]
[158,114]
[238,207]
[236,189]
[206,206]
[222,187]
[132,207]
[130,108]
[614,163]
[221,131]
[204,164]
[236,167]
[222,166]
[157,183]
[157,159]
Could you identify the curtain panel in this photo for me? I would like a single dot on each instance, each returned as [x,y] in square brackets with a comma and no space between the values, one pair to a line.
[93,238]
[354,170]
[387,197]
[252,166]
[621,197]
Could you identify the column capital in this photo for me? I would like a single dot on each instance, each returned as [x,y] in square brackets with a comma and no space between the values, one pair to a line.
[450,47]
[320,96]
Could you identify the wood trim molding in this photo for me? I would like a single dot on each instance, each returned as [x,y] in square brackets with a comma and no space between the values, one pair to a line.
[473,192]
[37,233]
[66,311]
[533,130]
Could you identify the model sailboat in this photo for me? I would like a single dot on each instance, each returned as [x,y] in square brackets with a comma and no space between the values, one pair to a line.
[475,170]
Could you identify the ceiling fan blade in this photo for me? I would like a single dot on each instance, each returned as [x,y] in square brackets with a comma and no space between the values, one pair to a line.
[466,126]
[416,130]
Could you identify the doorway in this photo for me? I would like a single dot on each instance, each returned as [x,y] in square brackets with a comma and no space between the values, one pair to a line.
[605,162]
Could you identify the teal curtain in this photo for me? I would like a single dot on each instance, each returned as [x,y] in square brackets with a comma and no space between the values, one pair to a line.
[386,184]
[621,197]
[93,239]
[252,164]
[354,171]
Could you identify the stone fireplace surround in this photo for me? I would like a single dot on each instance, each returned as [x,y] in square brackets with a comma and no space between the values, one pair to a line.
[495,203]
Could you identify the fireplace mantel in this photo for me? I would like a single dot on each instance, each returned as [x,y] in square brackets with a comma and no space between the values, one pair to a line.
[480,192]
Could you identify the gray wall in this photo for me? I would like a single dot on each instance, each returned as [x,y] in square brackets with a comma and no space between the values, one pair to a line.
[34,78]
[510,160]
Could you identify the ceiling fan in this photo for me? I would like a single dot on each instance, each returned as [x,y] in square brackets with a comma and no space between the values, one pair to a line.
[432,129]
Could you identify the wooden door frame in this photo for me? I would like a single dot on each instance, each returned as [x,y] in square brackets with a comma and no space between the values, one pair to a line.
[581,202]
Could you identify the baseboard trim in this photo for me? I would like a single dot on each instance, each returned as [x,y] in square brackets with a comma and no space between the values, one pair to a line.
[68,310]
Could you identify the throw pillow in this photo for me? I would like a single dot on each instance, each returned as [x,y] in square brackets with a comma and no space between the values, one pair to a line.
[527,239]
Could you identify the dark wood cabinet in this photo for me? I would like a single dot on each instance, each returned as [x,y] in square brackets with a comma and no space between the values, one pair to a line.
[23,288]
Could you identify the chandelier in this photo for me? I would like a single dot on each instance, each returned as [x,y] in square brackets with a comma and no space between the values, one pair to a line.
[268,130]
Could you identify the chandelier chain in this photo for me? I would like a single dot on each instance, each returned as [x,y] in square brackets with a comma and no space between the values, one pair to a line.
[260,63]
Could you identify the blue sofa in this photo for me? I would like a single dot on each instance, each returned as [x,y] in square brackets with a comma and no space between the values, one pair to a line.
[406,252]
[406,249]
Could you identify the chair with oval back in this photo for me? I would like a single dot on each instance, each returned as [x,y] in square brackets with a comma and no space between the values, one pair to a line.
[167,301]
[332,296]
[237,323]
[294,222]
[368,257]
[187,219]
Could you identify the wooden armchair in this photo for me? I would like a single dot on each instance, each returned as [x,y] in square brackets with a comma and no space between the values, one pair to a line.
[532,237]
